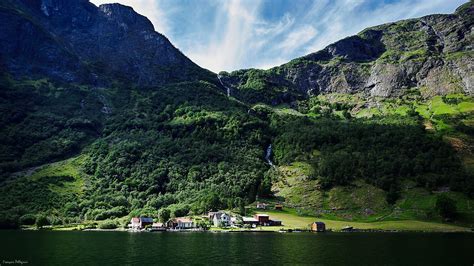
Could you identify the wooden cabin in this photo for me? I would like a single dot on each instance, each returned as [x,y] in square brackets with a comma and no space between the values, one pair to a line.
[180,223]
[263,219]
[318,227]
[140,222]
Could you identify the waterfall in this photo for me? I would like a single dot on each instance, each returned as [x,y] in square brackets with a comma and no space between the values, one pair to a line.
[223,85]
[268,155]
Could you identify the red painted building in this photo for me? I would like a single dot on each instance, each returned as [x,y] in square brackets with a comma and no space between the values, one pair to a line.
[263,219]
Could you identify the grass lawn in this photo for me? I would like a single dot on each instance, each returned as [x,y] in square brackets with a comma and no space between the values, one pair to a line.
[291,220]
[69,167]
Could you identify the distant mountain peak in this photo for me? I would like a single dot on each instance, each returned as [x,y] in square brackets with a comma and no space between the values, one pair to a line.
[78,41]
[126,16]
[434,54]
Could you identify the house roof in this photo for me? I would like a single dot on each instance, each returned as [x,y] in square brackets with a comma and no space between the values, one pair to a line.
[184,220]
[219,215]
[157,224]
[249,219]
[146,220]
[319,223]
[135,220]
[262,215]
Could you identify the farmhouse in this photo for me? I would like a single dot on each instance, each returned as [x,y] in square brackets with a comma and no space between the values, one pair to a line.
[261,205]
[220,219]
[140,222]
[318,227]
[158,227]
[180,223]
[264,220]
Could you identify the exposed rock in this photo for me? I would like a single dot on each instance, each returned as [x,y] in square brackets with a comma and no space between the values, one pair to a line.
[434,54]
[76,41]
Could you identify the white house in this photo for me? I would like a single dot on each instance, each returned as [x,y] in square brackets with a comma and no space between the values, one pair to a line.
[220,219]
[181,223]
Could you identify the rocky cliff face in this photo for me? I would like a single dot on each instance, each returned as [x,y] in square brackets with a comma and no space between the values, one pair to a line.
[434,54]
[76,41]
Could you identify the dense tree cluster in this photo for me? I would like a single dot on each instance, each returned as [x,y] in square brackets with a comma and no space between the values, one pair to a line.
[380,150]
[183,147]
[187,148]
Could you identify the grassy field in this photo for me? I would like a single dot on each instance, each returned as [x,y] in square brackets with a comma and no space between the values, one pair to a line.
[69,168]
[291,221]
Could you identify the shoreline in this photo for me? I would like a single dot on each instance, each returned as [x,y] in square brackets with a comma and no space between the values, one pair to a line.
[285,231]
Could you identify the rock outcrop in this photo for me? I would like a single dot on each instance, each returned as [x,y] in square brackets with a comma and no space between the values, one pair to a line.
[434,54]
[76,41]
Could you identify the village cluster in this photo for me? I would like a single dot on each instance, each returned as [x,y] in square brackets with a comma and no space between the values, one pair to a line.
[219,219]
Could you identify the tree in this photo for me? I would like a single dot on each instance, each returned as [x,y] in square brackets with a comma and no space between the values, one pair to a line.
[108,224]
[241,204]
[164,215]
[28,219]
[203,224]
[41,221]
[211,202]
[446,207]
[393,194]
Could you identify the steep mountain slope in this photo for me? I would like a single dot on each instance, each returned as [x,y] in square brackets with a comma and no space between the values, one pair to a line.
[62,62]
[77,41]
[101,118]
[433,54]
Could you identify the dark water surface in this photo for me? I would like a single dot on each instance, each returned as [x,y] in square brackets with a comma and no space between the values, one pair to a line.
[166,248]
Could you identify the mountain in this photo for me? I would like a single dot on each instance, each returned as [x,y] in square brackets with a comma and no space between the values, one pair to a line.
[75,41]
[102,118]
[432,54]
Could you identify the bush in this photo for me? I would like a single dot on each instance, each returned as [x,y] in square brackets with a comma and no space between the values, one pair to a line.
[28,219]
[118,211]
[8,221]
[446,207]
[41,221]
[108,225]
[164,215]
[54,220]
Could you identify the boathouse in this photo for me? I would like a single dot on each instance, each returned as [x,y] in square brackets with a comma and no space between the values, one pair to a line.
[318,227]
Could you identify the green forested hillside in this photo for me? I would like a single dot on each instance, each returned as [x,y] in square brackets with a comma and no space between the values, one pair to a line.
[184,145]
[189,148]
[367,129]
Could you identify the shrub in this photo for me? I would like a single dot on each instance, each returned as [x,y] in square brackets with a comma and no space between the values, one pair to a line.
[446,207]
[108,225]
[164,215]
[41,221]
[28,219]
[8,221]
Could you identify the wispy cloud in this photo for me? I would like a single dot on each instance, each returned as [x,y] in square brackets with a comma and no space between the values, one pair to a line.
[297,38]
[233,34]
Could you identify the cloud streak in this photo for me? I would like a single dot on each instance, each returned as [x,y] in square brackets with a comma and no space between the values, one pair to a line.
[233,34]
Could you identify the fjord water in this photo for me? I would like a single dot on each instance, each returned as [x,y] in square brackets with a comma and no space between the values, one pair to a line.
[118,248]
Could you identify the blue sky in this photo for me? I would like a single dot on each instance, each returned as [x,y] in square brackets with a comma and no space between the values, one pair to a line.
[235,34]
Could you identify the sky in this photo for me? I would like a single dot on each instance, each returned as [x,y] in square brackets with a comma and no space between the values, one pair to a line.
[226,35]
